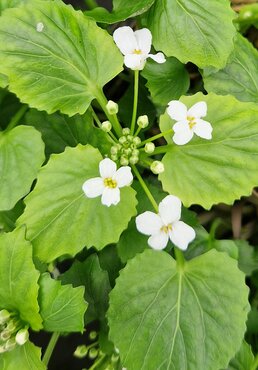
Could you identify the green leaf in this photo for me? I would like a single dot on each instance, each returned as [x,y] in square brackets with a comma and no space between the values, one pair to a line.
[96,282]
[4,4]
[26,357]
[239,77]
[166,81]
[21,155]
[122,9]
[62,307]
[3,81]
[60,219]
[18,276]
[205,171]
[181,312]
[64,66]
[59,131]
[8,218]
[189,30]
[248,257]
[243,360]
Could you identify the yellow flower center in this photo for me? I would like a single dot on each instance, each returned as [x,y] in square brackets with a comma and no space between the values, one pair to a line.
[191,122]
[110,183]
[166,228]
[137,51]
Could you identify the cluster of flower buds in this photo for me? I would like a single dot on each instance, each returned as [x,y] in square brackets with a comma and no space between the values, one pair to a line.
[12,331]
[125,151]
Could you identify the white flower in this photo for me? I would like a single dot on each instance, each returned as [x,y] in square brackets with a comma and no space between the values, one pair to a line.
[136,46]
[109,183]
[166,225]
[189,122]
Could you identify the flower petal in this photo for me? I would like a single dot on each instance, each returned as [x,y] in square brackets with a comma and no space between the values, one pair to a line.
[158,241]
[125,40]
[159,57]
[177,110]
[181,234]
[93,187]
[107,168]
[144,39]
[203,129]
[198,110]
[135,61]
[148,223]
[110,196]
[170,209]
[123,176]
[181,125]
[183,135]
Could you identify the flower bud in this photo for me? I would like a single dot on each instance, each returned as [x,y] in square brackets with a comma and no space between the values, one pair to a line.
[126,131]
[106,126]
[134,159]
[2,348]
[112,107]
[157,167]
[10,344]
[124,161]
[130,138]
[143,121]
[149,148]
[22,336]
[93,335]
[81,351]
[4,316]
[114,157]
[12,326]
[137,140]
[114,149]
[127,151]
[122,140]
[5,335]
[93,353]
[135,153]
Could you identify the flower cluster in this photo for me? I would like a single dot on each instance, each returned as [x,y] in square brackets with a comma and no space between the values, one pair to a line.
[109,183]
[12,331]
[126,150]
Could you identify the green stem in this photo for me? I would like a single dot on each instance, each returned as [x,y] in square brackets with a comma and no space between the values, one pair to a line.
[255,363]
[17,117]
[98,362]
[96,118]
[146,189]
[157,136]
[111,117]
[137,131]
[135,100]
[91,4]
[180,259]
[50,348]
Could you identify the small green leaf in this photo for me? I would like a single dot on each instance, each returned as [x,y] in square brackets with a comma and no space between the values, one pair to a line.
[239,77]
[96,282]
[62,307]
[63,65]
[59,131]
[203,171]
[60,219]
[18,276]
[173,309]
[189,30]
[122,9]
[166,81]
[21,155]
[243,360]
[248,257]
[26,357]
